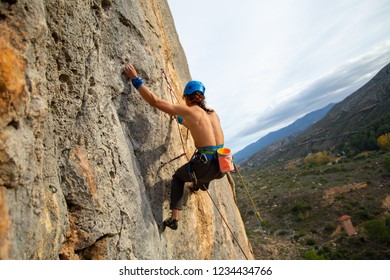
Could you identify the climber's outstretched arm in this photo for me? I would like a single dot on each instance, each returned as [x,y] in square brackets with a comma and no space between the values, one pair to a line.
[151,98]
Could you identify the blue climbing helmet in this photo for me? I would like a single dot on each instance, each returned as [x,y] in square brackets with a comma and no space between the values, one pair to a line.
[194,86]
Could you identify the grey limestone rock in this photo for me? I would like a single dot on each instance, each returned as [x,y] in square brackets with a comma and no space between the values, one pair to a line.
[81,173]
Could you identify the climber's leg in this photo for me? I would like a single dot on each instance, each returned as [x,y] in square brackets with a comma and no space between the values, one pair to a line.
[180,177]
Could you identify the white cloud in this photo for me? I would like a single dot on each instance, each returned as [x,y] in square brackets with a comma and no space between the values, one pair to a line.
[266,63]
[330,88]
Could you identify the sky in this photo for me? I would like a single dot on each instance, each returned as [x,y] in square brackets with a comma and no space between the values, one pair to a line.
[267,63]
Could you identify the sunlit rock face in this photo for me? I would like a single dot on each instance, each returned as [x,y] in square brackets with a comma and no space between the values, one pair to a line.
[82,173]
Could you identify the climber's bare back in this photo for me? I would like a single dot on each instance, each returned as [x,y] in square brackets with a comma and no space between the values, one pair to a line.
[205,127]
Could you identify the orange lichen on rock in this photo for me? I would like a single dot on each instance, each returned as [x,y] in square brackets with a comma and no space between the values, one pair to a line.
[80,157]
[75,237]
[4,228]
[12,76]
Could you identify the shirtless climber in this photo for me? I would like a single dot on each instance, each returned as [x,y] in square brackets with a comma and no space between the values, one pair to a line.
[206,131]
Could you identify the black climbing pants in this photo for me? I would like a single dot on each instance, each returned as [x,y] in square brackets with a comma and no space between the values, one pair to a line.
[205,171]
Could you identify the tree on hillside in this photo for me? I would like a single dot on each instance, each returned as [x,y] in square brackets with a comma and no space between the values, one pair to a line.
[384,142]
[317,159]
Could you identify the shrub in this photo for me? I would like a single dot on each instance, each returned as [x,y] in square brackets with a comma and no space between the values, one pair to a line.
[384,142]
[300,217]
[363,214]
[387,223]
[310,242]
[300,207]
[251,212]
[376,231]
[386,163]
[312,255]
[330,228]
[300,234]
[317,159]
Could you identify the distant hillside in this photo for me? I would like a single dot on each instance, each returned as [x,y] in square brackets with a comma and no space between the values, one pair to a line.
[293,129]
[301,207]
[301,202]
[358,119]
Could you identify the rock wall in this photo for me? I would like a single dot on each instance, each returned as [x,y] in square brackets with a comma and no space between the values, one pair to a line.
[81,154]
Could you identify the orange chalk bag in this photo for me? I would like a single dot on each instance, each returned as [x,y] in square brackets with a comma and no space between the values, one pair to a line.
[225,160]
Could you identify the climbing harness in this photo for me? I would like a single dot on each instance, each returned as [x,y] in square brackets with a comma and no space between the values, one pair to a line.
[200,157]
[210,151]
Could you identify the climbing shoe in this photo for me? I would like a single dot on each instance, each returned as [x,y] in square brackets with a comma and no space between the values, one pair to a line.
[199,186]
[194,188]
[171,223]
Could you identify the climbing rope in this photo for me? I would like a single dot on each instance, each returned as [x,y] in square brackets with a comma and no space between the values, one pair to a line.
[195,181]
[169,86]
[164,163]
[173,95]
[248,194]
[227,225]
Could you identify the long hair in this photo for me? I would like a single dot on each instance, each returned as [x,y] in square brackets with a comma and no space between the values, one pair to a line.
[197,98]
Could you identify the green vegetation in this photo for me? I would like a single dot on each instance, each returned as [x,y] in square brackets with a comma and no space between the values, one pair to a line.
[366,138]
[312,255]
[386,163]
[301,205]
[376,231]
[317,159]
[384,142]
[372,243]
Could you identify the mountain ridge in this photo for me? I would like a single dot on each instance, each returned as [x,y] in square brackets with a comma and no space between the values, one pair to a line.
[296,127]
[362,107]
[306,185]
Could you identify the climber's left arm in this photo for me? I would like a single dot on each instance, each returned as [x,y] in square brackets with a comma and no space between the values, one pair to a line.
[151,98]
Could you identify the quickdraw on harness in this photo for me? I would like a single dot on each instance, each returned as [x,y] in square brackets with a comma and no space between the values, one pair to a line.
[200,157]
